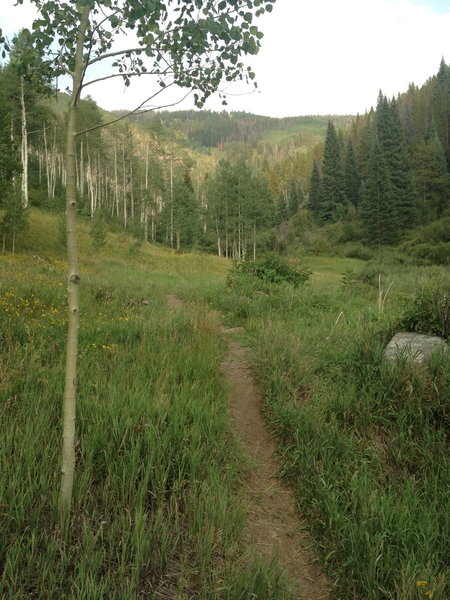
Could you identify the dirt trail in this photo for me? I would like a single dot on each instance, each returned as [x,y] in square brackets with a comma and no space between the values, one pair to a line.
[272,526]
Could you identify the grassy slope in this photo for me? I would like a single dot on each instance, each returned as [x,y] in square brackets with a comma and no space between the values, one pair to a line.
[155,509]
[364,446]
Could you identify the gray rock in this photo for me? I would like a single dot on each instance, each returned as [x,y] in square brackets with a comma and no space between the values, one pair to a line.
[416,348]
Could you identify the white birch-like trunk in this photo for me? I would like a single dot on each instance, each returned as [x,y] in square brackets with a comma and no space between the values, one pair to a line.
[116,181]
[219,246]
[131,190]
[124,187]
[171,205]
[24,151]
[73,280]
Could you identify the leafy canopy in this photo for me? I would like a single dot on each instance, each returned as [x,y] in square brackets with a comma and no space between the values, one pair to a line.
[192,43]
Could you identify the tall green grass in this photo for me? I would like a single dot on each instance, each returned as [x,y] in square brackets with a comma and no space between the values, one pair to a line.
[364,444]
[156,512]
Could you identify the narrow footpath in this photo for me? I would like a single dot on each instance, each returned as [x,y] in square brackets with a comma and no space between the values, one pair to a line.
[273,526]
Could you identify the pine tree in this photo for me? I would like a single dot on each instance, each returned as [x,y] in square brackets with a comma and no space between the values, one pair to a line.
[378,209]
[15,219]
[390,135]
[332,199]
[441,107]
[294,195]
[9,164]
[314,191]
[432,178]
[187,223]
[351,176]
[283,214]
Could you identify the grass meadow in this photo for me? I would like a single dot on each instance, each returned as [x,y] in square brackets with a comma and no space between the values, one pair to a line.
[156,510]
[156,513]
[364,445]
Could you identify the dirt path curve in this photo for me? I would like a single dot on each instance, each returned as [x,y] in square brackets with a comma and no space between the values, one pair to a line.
[272,526]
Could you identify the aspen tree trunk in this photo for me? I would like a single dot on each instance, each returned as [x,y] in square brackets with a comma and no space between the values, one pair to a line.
[40,165]
[68,453]
[146,223]
[81,171]
[131,190]
[239,233]
[116,181]
[46,162]
[124,187]
[171,205]
[226,230]
[24,147]
[153,224]
[219,247]
[146,167]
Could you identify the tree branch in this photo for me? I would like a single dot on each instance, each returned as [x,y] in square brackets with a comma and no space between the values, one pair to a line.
[137,110]
[123,75]
[111,54]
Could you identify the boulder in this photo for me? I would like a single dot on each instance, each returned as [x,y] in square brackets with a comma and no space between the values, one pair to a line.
[416,348]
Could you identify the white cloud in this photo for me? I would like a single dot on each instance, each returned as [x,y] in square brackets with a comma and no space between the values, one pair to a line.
[321,56]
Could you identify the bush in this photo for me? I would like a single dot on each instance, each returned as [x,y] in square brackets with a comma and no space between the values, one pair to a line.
[356,250]
[275,269]
[429,313]
[370,273]
[438,254]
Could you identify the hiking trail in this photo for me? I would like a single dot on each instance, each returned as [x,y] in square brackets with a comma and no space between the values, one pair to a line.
[273,526]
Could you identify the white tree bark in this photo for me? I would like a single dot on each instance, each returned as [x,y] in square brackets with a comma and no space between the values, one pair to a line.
[70,388]
[24,150]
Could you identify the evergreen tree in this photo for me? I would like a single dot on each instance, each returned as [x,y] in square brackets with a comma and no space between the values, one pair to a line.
[332,198]
[351,176]
[314,191]
[187,222]
[9,164]
[432,178]
[283,214]
[441,107]
[390,135]
[378,209]
[294,198]
[15,219]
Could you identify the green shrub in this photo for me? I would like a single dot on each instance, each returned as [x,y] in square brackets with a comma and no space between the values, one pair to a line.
[275,269]
[429,312]
[356,250]
[370,272]
[438,254]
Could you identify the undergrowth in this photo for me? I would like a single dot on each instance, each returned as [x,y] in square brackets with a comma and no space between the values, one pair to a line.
[364,444]
[155,512]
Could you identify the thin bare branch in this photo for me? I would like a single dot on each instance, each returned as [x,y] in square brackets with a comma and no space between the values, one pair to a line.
[125,75]
[137,110]
[112,54]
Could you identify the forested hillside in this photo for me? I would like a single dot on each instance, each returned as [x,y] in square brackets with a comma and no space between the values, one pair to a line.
[389,172]
[237,184]
[171,352]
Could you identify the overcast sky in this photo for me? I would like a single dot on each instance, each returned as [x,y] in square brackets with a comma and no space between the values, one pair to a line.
[318,56]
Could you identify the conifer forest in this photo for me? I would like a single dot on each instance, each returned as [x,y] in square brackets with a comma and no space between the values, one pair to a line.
[236,184]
